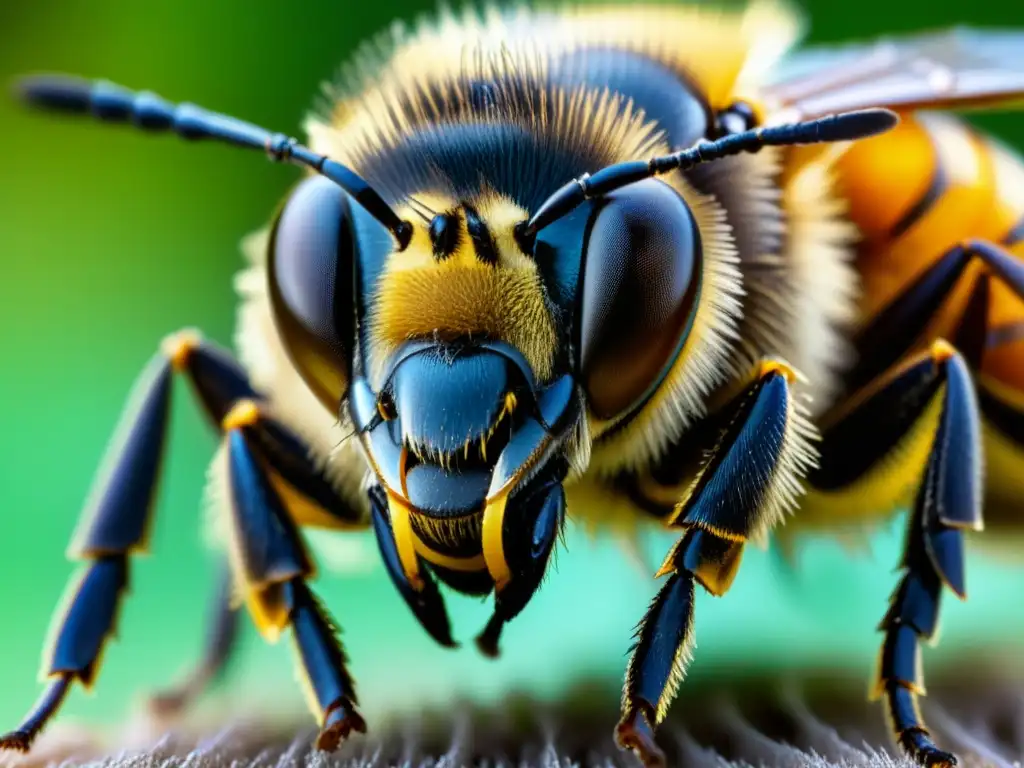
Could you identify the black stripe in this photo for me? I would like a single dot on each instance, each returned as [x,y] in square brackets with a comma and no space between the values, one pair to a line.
[936,189]
[851,447]
[1016,234]
[445,234]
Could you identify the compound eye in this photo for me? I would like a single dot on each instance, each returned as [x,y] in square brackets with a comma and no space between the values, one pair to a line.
[311,286]
[736,118]
[641,284]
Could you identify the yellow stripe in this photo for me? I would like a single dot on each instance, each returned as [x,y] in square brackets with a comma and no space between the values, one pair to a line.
[306,512]
[888,485]
[405,541]
[1010,395]
[243,414]
[178,347]
[494,551]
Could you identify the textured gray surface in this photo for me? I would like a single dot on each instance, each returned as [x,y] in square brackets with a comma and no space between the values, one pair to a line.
[814,724]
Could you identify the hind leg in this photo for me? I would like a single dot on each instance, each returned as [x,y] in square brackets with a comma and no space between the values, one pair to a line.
[220,646]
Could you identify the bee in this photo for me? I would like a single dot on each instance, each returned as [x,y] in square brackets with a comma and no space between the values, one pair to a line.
[636,265]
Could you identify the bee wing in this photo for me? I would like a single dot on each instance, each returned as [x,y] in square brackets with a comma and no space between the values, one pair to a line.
[955,69]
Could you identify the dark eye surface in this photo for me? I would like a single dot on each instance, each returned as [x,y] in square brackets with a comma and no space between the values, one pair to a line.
[640,287]
[311,279]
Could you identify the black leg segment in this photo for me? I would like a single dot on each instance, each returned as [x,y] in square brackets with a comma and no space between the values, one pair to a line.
[324,665]
[659,656]
[114,527]
[271,567]
[900,325]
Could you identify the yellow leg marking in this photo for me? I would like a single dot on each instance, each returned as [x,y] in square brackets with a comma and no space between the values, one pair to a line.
[876,688]
[178,347]
[716,577]
[244,413]
[305,511]
[942,350]
[405,541]
[269,610]
[494,550]
[778,366]
[667,567]
[885,488]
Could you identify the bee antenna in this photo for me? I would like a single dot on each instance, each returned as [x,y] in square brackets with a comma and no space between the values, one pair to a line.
[112,103]
[845,126]
[421,209]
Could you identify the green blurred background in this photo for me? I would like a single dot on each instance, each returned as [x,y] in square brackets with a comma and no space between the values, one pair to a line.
[109,240]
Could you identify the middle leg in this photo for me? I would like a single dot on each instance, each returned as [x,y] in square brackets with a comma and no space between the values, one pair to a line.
[915,432]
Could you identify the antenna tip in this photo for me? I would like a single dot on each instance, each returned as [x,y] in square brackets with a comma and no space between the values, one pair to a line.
[57,92]
[864,123]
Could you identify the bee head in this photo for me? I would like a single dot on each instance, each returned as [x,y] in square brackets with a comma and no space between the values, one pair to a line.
[445,351]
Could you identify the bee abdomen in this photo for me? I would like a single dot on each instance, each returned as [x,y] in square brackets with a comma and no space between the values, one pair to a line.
[921,189]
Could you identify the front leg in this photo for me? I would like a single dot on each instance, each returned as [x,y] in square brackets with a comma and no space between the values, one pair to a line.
[748,480]
[271,566]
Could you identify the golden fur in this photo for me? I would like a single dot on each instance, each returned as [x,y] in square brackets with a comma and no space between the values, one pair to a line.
[461,296]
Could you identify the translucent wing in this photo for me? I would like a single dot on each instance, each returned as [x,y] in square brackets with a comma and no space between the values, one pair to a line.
[955,69]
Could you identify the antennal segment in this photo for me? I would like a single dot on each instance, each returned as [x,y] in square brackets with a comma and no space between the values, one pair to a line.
[845,126]
[112,103]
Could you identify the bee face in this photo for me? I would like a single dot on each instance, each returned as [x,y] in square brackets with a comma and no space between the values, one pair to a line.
[462,277]
[445,349]
[465,332]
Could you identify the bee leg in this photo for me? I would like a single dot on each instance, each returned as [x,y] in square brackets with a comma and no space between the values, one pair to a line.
[661,650]
[746,482]
[271,567]
[928,404]
[900,325]
[220,384]
[117,521]
[221,641]
[116,527]
[527,545]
